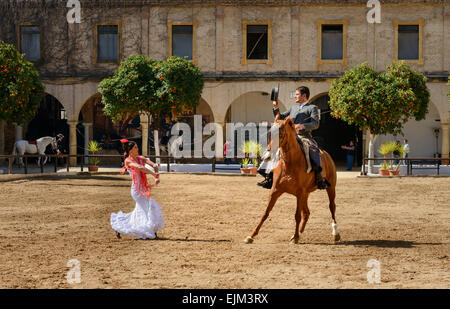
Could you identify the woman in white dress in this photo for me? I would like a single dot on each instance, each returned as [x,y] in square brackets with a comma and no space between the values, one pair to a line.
[146,218]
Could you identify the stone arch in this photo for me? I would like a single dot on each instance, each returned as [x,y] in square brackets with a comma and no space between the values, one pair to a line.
[205,110]
[333,133]
[318,96]
[252,106]
[92,122]
[58,93]
[50,120]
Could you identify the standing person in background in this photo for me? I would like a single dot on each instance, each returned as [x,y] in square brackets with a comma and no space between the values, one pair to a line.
[227,152]
[350,149]
[397,153]
[405,149]
[59,146]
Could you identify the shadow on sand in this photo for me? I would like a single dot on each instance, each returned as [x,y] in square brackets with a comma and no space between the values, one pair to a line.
[381,243]
[187,239]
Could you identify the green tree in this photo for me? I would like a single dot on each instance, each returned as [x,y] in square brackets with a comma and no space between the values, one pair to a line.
[157,88]
[21,90]
[380,103]
[448,93]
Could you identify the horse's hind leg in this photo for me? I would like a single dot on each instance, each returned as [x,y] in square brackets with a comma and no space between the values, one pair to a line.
[273,196]
[331,196]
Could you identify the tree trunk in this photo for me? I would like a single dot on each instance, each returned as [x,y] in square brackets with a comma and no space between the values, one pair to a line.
[372,139]
[2,138]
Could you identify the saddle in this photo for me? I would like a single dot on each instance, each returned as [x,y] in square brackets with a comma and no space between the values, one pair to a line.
[311,151]
[32,142]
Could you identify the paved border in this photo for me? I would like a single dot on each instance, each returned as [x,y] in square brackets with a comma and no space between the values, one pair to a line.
[84,175]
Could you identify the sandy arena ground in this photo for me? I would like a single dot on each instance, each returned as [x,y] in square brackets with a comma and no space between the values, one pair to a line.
[401,222]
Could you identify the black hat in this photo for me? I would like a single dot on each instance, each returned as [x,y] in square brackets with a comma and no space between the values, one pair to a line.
[274,94]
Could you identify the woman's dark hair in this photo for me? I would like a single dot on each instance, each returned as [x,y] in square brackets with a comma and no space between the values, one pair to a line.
[127,147]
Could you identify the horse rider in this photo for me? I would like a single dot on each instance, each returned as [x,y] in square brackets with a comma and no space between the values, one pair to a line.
[306,118]
[59,145]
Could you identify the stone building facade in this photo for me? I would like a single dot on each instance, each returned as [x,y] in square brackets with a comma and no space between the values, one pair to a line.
[236,85]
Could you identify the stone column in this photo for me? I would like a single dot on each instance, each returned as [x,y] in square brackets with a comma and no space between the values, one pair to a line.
[219,40]
[73,141]
[2,139]
[219,141]
[144,127]
[295,38]
[19,132]
[145,32]
[445,143]
[86,140]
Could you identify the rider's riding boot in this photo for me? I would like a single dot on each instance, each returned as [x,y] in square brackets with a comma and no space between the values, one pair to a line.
[320,181]
[262,172]
[267,182]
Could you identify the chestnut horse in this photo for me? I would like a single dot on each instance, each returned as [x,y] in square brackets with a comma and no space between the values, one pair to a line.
[290,176]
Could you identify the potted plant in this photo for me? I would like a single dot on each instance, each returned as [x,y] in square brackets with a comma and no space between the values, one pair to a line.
[385,149]
[384,169]
[252,150]
[396,171]
[254,169]
[93,147]
[245,162]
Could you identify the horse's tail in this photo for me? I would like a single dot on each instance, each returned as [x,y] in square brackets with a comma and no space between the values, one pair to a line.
[14,152]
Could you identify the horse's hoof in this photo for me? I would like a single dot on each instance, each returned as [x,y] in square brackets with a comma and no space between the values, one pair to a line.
[249,240]
[337,237]
[294,240]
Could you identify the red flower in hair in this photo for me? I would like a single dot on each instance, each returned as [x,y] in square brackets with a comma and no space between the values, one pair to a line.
[124,140]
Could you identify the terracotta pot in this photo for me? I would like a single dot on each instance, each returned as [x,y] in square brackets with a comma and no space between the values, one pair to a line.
[253,170]
[93,168]
[245,170]
[394,172]
[383,172]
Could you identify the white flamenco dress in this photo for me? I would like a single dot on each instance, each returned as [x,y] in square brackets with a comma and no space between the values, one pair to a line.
[146,218]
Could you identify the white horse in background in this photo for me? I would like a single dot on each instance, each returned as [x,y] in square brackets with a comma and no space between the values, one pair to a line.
[21,147]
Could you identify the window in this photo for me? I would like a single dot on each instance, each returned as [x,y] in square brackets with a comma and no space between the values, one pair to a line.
[408,41]
[332,47]
[257,42]
[182,40]
[30,42]
[107,43]
[332,42]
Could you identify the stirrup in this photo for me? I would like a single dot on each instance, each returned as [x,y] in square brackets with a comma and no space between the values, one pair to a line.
[323,184]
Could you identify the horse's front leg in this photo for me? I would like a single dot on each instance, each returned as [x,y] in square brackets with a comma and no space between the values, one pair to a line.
[301,216]
[273,196]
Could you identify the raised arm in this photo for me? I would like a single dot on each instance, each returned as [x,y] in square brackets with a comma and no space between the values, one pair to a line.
[130,164]
[276,111]
[152,164]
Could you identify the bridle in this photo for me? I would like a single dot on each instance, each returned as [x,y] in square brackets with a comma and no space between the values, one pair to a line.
[283,154]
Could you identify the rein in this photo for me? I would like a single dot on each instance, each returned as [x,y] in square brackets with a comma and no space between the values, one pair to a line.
[283,154]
